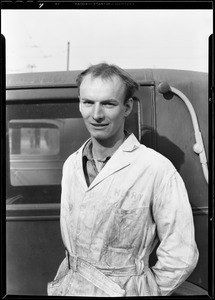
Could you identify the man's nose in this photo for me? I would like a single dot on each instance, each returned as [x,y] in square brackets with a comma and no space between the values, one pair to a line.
[98,113]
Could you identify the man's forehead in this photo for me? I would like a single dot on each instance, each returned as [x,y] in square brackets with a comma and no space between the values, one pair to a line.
[114,79]
[100,88]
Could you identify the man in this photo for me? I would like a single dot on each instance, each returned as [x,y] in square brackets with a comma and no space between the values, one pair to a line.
[119,198]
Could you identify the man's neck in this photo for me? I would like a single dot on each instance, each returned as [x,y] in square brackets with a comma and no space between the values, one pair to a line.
[103,149]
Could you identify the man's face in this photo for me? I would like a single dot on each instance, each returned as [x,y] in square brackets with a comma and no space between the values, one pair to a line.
[102,107]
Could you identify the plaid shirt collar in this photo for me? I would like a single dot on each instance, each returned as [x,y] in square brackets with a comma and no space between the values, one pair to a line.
[87,151]
[89,165]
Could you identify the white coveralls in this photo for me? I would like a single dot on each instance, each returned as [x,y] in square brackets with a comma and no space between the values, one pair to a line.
[110,228]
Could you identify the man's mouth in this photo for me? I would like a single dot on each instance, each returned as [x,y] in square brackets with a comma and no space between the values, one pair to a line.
[97,125]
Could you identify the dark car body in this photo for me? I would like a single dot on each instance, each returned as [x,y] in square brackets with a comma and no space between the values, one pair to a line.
[44,126]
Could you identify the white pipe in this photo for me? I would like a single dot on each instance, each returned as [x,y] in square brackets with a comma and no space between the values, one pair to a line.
[199,145]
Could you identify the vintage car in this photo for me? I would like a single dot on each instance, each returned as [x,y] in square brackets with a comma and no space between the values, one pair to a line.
[44,126]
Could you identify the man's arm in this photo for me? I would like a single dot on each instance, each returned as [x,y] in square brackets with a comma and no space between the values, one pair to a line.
[177,253]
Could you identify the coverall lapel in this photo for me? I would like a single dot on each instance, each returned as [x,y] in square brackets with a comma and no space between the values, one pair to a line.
[116,163]
[79,167]
[120,160]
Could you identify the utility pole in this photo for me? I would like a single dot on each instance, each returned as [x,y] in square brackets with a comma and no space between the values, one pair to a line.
[31,67]
[68,49]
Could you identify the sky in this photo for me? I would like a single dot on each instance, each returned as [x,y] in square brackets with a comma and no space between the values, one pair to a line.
[37,40]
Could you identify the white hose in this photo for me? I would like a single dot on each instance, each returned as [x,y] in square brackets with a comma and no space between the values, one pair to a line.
[199,145]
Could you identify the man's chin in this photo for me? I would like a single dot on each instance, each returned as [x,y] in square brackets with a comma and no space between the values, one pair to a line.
[99,136]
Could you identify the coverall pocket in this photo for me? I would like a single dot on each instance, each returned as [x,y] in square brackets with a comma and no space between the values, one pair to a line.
[60,286]
[146,284]
[53,287]
[127,226]
[57,286]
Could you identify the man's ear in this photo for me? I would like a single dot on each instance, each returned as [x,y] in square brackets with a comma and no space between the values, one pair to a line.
[128,106]
[79,104]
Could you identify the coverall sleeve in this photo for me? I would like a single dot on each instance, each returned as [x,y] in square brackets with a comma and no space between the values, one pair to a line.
[177,252]
[64,208]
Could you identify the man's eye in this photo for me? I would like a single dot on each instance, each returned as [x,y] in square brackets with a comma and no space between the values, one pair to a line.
[88,103]
[109,105]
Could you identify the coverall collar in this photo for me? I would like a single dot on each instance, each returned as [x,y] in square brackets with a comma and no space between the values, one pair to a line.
[120,159]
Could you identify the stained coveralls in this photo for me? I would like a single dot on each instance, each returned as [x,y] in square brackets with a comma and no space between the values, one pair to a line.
[110,228]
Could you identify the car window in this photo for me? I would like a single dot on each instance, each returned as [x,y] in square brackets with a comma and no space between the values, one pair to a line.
[29,138]
[40,138]
[39,147]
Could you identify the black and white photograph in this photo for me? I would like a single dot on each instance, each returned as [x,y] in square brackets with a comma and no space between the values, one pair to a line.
[107,151]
